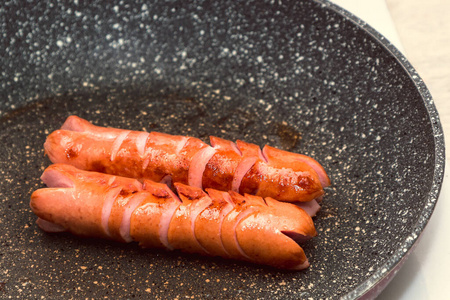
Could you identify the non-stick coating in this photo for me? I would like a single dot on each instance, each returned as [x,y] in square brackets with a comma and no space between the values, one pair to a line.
[304,76]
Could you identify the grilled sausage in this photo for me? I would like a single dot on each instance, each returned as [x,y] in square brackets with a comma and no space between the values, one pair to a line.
[240,167]
[211,222]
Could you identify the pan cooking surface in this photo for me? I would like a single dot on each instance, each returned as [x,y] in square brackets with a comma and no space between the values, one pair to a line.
[303,76]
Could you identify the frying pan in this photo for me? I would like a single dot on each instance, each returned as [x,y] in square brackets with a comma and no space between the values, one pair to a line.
[304,76]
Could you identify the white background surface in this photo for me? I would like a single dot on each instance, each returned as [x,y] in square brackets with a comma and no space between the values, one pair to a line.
[426,273]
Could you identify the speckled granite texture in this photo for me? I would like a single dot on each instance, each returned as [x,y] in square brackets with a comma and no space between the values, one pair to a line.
[299,75]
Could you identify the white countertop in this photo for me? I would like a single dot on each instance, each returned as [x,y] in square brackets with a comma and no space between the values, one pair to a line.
[420,30]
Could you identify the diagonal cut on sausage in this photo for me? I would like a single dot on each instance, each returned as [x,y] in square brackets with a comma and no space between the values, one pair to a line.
[241,167]
[211,222]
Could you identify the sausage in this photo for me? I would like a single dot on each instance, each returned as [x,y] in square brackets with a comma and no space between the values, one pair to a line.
[240,167]
[211,222]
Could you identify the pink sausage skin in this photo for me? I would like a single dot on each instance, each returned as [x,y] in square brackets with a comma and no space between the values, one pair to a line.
[214,223]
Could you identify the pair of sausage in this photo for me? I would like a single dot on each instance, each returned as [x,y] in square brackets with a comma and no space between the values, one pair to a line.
[177,192]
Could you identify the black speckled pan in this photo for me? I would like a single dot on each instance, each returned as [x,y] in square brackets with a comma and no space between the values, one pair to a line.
[304,76]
